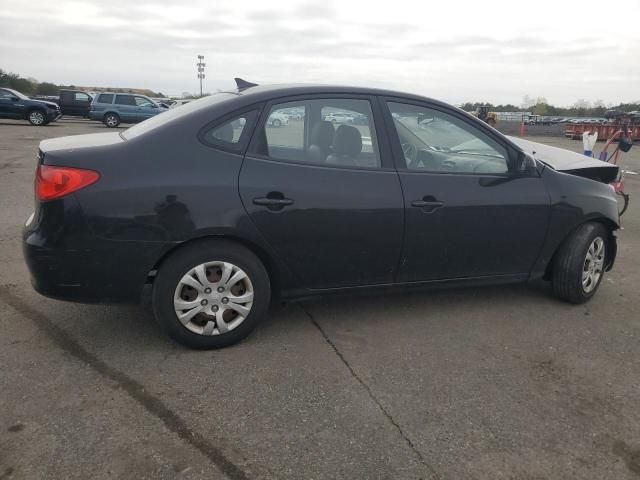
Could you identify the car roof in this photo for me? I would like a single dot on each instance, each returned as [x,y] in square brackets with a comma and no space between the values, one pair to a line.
[267,92]
[121,93]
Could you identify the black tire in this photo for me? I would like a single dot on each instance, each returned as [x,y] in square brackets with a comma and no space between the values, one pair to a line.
[569,263]
[111,120]
[37,118]
[179,263]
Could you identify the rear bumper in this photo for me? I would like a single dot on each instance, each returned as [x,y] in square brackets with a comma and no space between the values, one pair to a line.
[66,262]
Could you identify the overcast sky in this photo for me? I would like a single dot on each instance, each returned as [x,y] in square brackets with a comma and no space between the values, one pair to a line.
[495,51]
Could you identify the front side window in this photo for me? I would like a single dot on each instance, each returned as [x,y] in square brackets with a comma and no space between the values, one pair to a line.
[6,95]
[330,131]
[230,133]
[82,97]
[143,102]
[105,98]
[434,141]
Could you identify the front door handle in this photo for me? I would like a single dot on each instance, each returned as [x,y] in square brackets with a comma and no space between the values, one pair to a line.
[274,201]
[428,204]
[279,202]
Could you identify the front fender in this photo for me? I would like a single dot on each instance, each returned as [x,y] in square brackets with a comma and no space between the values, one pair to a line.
[575,201]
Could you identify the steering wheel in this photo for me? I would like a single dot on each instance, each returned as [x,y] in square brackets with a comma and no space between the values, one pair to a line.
[410,153]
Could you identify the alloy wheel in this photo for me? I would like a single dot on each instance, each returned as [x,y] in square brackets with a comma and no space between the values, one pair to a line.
[213,298]
[593,265]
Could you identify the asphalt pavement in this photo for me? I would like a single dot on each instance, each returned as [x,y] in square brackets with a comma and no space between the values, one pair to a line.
[479,383]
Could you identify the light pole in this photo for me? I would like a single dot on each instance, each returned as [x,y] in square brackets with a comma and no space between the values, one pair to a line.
[201,66]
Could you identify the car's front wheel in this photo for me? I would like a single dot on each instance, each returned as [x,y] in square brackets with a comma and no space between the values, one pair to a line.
[580,263]
[111,120]
[37,118]
[211,294]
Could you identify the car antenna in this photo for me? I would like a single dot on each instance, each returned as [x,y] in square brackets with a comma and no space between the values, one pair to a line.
[243,84]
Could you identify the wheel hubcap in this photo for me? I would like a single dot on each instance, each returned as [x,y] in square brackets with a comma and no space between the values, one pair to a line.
[213,298]
[593,265]
[36,117]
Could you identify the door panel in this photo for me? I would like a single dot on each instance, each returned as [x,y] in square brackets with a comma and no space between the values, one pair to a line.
[485,226]
[467,213]
[325,197]
[10,107]
[343,227]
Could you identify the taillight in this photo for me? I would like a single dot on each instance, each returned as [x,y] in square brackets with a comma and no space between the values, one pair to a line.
[55,182]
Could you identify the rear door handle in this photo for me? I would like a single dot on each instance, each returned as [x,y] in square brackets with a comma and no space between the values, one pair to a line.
[428,204]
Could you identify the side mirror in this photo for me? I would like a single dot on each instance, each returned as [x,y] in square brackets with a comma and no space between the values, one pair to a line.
[14,99]
[527,166]
[154,106]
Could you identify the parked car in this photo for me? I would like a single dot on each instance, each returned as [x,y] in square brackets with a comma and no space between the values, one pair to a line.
[113,108]
[277,119]
[74,103]
[179,103]
[339,117]
[15,105]
[210,218]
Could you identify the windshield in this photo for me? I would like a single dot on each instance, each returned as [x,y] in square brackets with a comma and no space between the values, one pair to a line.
[173,114]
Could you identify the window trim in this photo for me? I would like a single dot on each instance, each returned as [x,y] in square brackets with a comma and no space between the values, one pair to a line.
[247,132]
[384,148]
[398,156]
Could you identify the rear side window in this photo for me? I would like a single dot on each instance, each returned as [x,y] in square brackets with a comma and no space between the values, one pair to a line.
[232,134]
[105,98]
[125,100]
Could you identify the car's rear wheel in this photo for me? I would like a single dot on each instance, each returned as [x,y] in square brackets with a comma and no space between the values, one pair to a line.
[211,294]
[111,120]
[579,265]
[37,118]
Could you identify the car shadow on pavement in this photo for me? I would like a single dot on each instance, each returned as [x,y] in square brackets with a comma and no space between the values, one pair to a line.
[127,327]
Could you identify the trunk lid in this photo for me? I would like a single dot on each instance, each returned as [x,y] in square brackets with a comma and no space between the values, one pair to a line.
[76,142]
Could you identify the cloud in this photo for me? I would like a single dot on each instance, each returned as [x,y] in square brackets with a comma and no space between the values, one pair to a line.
[454,51]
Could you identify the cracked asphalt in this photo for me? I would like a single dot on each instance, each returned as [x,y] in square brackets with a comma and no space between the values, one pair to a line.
[483,383]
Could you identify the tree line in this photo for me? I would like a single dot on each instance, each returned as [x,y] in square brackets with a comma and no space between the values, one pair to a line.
[536,105]
[540,106]
[31,86]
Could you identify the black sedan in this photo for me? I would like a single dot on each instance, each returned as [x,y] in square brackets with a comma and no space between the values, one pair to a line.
[210,212]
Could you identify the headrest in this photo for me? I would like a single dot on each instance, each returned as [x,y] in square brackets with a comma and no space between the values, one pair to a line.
[347,141]
[322,134]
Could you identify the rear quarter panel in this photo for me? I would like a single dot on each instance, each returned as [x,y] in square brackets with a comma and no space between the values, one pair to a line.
[158,191]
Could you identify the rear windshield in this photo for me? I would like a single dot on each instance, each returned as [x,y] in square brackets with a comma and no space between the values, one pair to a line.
[175,113]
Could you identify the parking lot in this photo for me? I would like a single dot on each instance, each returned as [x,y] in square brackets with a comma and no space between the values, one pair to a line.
[490,383]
